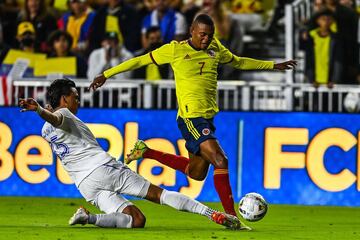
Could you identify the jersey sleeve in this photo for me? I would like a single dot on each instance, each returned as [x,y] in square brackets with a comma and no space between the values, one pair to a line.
[163,54]
[251,64]
[67,119]
[128,65]
[225,55]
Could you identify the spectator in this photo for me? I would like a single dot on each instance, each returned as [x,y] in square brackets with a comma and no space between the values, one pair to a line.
[176,4]
[220,16]
[152,71]
[59,7]
[121,18]
[26,36]
[190,8]
[9,10]
[35,11]
[352,6]
[348,3]
[78,22]
[109,55]
[347,28]
[279,12]
[60,43]
[171,23]
[246,6]
[249,13]
[324,52]
[26,50]
[143,8]
[150,5]
[4,48]
[319,5]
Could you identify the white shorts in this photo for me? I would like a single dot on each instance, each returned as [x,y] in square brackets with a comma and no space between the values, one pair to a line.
[103,186]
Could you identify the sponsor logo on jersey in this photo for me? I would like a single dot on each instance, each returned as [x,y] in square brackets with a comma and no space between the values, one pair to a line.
[211,53]
[205,131]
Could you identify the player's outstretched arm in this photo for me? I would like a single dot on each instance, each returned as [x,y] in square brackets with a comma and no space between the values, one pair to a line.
[128,65]
[29,104]
[244,63]
[291,64]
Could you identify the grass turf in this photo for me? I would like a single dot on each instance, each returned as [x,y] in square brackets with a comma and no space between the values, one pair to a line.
[46,218]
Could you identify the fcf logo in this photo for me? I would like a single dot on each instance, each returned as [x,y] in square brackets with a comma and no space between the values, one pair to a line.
[275,159]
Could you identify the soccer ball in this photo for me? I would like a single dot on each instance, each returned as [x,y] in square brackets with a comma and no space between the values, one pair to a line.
[253,207]
[352,102]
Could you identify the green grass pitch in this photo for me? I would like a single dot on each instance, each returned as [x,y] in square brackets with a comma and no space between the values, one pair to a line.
[46,218]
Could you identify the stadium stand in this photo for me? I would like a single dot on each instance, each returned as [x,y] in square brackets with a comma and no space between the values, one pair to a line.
[283,23]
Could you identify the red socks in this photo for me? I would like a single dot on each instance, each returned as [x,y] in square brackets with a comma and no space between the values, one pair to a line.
[175,162]
[222,186]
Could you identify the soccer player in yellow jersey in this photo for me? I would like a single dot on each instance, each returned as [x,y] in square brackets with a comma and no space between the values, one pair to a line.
[195,64]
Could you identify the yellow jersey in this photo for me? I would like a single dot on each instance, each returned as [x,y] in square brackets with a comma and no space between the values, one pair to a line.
[195,73]
[322,56]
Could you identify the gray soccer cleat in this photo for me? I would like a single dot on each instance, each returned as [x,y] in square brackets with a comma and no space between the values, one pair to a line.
[81,216]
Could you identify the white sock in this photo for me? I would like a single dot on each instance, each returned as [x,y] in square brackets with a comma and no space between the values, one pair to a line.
[113,220]
[183,203]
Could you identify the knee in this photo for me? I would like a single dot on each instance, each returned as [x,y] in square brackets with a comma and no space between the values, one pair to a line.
[139,220]
[221,161]
[197,175]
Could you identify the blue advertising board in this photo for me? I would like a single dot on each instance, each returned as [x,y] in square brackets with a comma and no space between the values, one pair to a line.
[289,158]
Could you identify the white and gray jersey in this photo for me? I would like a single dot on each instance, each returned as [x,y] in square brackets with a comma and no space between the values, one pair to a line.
[75,145]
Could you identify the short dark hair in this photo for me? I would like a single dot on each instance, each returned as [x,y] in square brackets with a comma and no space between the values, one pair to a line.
[323,12]
[58,88]
[55,36]
[204,19]
[152,30]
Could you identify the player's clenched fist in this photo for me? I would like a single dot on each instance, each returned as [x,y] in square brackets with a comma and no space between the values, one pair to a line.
[28,104]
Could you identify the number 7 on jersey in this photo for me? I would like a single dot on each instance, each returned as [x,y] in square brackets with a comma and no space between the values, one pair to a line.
[202,66]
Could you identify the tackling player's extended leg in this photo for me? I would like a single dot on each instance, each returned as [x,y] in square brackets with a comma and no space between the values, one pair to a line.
[204,149]
[196,167]
[118,179]
[184,203]
[132,217]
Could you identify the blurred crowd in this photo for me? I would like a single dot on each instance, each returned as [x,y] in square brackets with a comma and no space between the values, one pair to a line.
[81,38]
[98,34]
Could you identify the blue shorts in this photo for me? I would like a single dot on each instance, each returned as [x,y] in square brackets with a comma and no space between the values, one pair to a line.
[195,131]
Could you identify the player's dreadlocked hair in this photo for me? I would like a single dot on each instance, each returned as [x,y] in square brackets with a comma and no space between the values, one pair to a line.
[205,19]
[58,88]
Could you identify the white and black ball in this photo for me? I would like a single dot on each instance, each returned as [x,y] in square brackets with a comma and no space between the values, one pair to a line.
[253,207]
